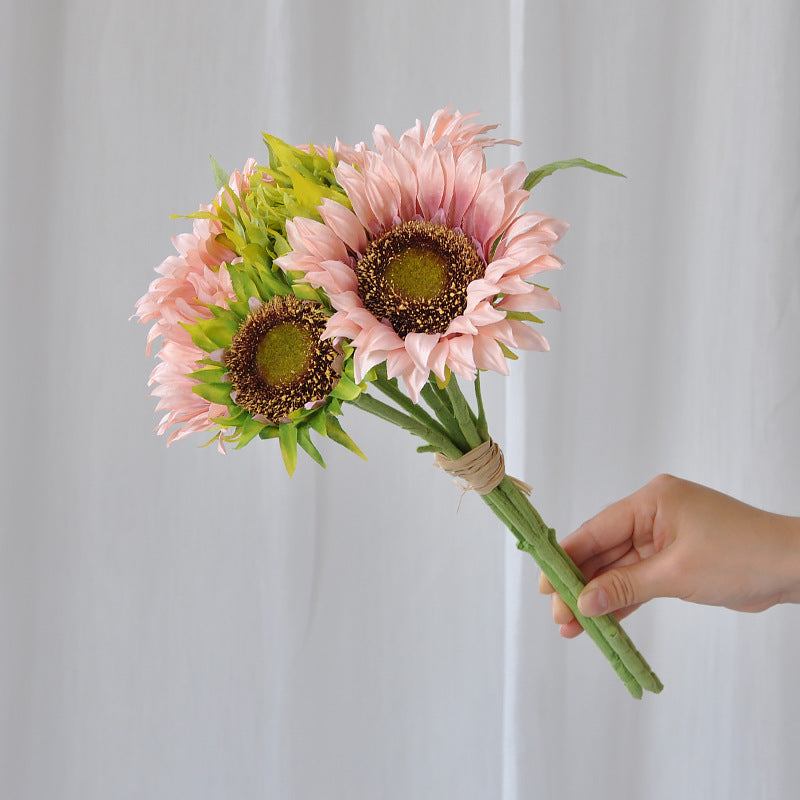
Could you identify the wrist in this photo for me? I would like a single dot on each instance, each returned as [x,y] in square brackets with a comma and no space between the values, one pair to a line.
[792,561]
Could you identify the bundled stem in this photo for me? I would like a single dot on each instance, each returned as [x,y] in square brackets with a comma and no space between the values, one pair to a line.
[457,430]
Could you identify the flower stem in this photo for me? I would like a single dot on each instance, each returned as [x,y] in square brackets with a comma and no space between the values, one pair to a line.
[392,390]
[386,412]
[459,430]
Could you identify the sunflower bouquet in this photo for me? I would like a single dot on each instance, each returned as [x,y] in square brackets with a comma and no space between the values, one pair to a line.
[319,280]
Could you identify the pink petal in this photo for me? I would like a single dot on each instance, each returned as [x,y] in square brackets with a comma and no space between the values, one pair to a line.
[535,300]
[469,168]
[345,224]
[528,338]
[420,346]
[488,355]
[381,199]
[406,181]
[430,175]
[383,139]
[353,183]
[460,359]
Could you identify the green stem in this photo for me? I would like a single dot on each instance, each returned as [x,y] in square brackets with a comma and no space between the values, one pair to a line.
[483,428]
[458,431]
[441,407]
[605,630]
[386,412]
[463,413]
[390,388]
[551,565]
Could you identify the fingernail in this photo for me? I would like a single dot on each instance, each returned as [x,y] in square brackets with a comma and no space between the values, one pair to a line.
[593,602]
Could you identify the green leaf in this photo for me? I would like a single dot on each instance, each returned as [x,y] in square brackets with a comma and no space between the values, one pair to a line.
[210,375]
[287,434]
[250,430]
[537,175]
[199,338]
[304,440]
[508,353]
[523,316]
[346,389]
[317,422]
[336,432]
[305,292]
[218,331]
[219,393]
[221,177]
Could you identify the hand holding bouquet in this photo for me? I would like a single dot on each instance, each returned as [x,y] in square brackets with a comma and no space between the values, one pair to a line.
[322,279]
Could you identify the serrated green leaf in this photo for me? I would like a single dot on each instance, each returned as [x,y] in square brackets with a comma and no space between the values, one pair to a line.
[221,177]
[287,434]
[219,393]
[304,440]
[336,432]
[536,175]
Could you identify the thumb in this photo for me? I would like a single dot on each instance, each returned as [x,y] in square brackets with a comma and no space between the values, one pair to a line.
[625,586]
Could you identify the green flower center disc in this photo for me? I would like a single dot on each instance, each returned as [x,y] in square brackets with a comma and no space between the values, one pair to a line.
[417,273]
[278,361]
[284,353]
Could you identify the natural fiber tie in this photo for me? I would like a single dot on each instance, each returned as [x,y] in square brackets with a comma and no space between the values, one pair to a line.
[481,469]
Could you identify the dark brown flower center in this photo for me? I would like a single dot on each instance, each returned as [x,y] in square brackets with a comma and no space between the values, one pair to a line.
[416,276]
[277,361]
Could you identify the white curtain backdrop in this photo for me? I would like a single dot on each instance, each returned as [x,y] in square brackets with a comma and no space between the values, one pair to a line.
[178,624]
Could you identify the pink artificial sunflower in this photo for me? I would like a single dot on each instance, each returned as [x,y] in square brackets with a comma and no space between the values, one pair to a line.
[430,269]
[188,281]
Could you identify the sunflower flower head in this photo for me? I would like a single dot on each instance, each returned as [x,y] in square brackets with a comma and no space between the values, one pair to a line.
[428,265]
[248,352]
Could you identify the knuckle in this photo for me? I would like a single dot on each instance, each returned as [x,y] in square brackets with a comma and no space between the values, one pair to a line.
[663,481]
[621,588]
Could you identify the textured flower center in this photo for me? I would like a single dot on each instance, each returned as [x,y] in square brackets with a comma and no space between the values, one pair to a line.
[284,352]
[277,361]
[416,276]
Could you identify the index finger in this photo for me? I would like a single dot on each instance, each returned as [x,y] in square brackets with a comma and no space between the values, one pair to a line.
[611,527]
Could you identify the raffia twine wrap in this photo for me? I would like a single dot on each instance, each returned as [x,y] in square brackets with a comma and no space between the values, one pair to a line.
[482,469]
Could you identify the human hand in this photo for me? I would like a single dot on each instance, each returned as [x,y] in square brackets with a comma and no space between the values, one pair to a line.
[673,538]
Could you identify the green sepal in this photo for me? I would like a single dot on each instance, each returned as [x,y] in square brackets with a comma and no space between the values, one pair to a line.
[536,175]
[250,430]
[507,352]
[346,389]
[304,440]
[208,375]
[336,432]
[287,434]
[219,393]
[447,375]
[270,432]
[306,292]
[317,422]
[244,286]
[221,177]
[199,338]
[523,316]
[219,331]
